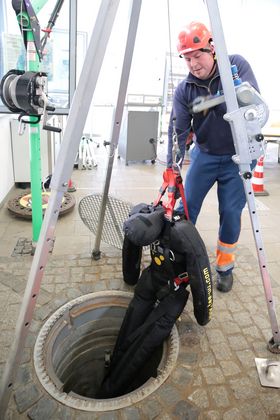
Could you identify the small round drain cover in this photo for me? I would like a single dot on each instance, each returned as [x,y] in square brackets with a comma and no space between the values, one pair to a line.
[21,205]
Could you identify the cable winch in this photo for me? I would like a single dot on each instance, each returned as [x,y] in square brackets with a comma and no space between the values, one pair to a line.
[26,93]
[23,91]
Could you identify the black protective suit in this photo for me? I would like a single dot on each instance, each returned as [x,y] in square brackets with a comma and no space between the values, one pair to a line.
[178,259]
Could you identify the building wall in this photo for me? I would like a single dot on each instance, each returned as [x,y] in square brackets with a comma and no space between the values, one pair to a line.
[6,158]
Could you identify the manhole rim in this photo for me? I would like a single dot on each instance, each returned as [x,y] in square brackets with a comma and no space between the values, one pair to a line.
[75,401]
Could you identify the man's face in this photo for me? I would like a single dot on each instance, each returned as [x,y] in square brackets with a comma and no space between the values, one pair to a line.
[199,63]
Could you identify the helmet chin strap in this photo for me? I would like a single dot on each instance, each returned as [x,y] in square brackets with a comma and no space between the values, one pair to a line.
[208,50]
[212,71]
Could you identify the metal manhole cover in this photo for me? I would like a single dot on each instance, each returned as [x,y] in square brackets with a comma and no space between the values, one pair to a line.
[116,213]
[21,205]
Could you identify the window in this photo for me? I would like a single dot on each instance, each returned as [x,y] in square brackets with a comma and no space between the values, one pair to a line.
[56,58]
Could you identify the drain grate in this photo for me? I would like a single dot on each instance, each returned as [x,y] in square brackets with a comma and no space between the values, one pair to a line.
[24,246]
[116,213]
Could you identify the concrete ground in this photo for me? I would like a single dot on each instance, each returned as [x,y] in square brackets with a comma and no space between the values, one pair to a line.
[215,376]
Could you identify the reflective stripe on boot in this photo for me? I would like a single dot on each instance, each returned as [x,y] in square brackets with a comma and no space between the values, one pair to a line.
[225,256]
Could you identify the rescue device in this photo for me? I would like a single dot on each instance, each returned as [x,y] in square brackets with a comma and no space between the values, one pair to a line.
[178,260]
[25,92]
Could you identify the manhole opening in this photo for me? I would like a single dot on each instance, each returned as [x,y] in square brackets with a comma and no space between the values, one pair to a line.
[79,360]
[72,349]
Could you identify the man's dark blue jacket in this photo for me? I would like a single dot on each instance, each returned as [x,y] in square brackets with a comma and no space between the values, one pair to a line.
[212,132]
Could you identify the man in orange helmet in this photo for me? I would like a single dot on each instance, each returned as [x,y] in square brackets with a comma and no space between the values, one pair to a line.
[211,157]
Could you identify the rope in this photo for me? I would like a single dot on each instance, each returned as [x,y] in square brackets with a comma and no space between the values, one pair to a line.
[21,28]
[170,50]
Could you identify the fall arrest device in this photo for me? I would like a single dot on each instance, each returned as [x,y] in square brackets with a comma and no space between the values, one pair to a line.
[25,92]
[178,259]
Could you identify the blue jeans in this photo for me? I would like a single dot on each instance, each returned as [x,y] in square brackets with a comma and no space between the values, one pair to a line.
[204,171]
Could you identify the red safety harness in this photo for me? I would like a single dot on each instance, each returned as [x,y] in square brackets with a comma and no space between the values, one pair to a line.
[173,183]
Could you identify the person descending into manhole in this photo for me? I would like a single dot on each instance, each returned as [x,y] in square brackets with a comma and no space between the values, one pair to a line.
[178,260]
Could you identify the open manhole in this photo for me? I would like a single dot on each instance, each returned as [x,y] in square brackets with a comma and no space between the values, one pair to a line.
[71,348]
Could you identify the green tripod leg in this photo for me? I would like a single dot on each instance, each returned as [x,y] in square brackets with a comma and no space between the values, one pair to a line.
[33,64]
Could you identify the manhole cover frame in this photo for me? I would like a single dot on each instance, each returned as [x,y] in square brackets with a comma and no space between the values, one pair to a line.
[171,351]
[18,210]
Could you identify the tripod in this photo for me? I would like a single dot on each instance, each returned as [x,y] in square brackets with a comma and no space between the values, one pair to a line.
[67,155]
[62,173]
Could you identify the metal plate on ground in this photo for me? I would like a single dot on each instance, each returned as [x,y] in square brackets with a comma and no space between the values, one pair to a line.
[21,205]
[269,372]
[116,213]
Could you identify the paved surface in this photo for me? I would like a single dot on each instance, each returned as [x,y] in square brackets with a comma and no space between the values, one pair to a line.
[215,376]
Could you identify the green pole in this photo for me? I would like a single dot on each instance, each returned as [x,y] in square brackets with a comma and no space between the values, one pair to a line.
[33,64]
[38,5]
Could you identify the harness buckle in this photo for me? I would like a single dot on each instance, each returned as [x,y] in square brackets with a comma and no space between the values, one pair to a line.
[181,278]
[154,245]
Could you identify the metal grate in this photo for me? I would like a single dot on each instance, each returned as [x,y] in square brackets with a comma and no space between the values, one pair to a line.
[116,213]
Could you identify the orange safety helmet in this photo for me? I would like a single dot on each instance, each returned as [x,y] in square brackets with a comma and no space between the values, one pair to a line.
[194,36]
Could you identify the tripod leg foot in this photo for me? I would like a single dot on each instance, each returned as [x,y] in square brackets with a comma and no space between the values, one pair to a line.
[273,347]
[96,255]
